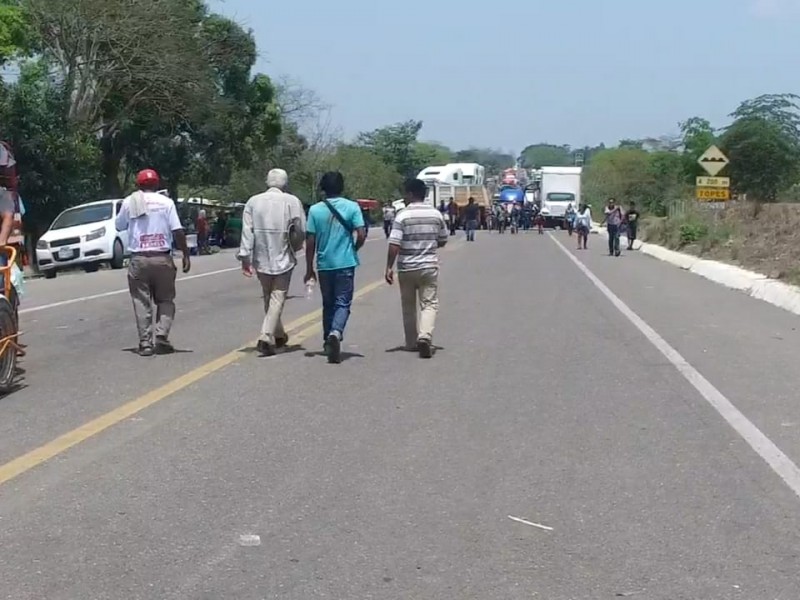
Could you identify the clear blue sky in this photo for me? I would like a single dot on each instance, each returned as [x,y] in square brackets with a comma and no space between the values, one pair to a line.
[506,74]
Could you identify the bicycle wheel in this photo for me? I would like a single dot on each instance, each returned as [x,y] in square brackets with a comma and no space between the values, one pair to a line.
[8,359]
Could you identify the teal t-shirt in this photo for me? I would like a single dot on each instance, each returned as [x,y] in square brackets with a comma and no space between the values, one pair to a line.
[336,248]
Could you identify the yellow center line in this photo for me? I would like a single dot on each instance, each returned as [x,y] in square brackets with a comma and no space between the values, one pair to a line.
[62,443]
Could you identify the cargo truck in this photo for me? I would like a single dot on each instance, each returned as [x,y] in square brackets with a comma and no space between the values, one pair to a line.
[560,187]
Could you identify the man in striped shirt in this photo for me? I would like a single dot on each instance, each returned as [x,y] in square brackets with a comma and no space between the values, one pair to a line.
[417,234]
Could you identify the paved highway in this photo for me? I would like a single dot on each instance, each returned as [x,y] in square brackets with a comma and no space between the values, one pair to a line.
[590,428]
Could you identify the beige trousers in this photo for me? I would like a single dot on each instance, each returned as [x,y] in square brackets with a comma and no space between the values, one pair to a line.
[275,288]
[419,291]
[151,280]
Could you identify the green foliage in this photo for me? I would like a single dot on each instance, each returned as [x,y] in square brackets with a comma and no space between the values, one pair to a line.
[493,160]
[692,232]
[58,162]
[764,157]
[396,145]
[16,37]
[366,174]
[783,110]
[651,179]
[431,153]
[546,155]
[697,136]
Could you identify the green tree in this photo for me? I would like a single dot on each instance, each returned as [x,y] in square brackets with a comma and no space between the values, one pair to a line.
[16,37]
[366,174]
[58,162]
[493,160]
[427,154]
[95,47]
[621,173]
[781,109]
[396,145]
[697,136]
[229,130]
[764,157]
[546,155]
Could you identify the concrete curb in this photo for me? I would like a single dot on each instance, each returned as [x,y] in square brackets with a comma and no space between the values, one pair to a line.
[755,285]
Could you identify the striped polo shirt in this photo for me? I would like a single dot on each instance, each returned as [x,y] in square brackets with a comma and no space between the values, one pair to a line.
[418,230]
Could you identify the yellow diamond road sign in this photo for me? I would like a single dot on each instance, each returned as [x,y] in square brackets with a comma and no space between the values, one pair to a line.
[713,161]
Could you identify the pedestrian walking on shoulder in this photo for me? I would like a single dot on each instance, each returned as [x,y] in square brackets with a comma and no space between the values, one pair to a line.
[152,223]
[472,214]
[632,224]
[613,221]
[332,223]
[388,217]
[417,234]
[583,225]
[202,232]
[273,231]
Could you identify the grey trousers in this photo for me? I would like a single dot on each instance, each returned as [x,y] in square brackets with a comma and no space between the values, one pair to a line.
[151,280]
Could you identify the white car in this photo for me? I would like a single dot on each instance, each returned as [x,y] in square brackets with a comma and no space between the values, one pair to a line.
[83,236]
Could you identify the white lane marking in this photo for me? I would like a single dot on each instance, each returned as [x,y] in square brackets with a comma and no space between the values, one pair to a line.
[531,523]
[764,447]
[34,309]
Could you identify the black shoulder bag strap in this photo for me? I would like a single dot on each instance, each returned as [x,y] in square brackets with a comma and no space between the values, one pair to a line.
[338,216]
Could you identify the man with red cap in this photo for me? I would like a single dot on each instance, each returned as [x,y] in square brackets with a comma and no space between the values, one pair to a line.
[152,222]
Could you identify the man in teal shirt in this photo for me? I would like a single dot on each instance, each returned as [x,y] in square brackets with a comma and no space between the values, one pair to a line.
[330,228]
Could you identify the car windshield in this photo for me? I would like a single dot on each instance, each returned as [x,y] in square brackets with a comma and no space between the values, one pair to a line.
[83,215]
[561,197]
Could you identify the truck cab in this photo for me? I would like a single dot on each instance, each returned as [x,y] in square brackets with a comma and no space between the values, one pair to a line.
[559,187]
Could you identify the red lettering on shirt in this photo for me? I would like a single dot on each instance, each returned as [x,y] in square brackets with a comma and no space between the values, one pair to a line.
[152,240]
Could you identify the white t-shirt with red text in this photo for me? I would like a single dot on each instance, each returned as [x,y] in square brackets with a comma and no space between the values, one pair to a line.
[151,232]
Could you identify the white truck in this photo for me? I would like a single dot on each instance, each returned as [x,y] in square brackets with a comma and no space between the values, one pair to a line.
[560,187]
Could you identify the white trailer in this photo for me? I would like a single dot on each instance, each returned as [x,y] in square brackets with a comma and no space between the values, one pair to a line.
[560,187]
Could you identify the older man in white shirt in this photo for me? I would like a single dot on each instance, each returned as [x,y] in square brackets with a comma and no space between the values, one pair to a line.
[273,229]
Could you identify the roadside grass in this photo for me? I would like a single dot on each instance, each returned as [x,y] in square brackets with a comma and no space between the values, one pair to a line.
[763,238]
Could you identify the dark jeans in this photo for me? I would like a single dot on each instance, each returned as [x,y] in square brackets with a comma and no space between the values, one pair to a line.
[387,228]
[337,295]
[471,227]
[613,239]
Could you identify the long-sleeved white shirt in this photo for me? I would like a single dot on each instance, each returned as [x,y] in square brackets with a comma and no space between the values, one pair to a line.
[265,231]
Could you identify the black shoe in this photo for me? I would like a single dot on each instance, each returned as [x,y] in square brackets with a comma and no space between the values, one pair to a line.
[265,348]
[424,348]
[163,346]
[334,349]
[282,342]
[145,351]
[617,253]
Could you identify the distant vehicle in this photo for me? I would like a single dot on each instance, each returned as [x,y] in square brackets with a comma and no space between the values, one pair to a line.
[560,187]
[83,236]
[449,174]
[472,173]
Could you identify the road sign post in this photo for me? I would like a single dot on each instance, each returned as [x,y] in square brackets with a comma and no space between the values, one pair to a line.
[712,188]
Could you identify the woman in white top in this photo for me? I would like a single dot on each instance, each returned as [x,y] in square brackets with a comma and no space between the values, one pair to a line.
[583,225]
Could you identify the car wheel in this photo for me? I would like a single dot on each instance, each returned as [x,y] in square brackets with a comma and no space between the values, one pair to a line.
[91,267]
[50,274]
[118,258]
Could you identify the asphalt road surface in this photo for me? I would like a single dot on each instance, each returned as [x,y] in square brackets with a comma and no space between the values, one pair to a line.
[590,428]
